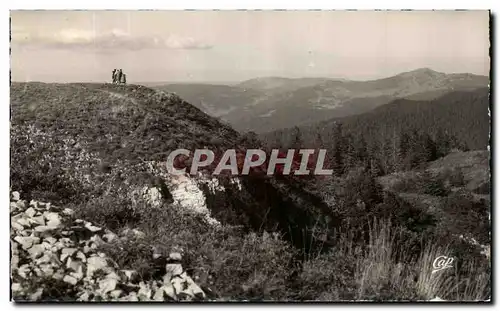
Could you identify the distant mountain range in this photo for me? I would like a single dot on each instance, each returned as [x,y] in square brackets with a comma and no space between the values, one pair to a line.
[270,103]
[462,114]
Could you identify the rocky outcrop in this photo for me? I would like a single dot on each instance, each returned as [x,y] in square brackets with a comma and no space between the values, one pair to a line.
[54,255]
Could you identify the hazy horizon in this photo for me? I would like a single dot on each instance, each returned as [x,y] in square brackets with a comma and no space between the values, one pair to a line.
[234,46]
[215,82]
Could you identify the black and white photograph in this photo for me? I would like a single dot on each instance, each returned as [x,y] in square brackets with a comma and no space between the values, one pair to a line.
[221,156]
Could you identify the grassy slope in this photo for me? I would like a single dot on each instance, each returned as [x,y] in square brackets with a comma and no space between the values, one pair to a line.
[464,175]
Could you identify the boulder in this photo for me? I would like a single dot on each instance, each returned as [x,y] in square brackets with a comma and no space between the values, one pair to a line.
[30,212]
[38,220]
[36,251]
[116,293]
[173,269]
[175,256]
[53,220]
[70,279]
[26,242]
[95,263]
[107,285]
[159,295]
[68,212]
[144,292]
[15,196]
[92,228]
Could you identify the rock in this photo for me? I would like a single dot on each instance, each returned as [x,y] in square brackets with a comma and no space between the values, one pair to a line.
[169,290]
[23,271]
[96,239]
[15,196]
[177,284]
[21,204]
[26,242]
[46,245]
[17,216]
[16,287]
[47,270]
[138,234]
[159,295]
[81,256]
[37,271]
[132,296]
[70,279]
[36,251]
[13,247]
[16,226]
[113,276]
[194,288]
[174,269]
[125,232]
[30,212]
[38,220]
[24,222]
[51,240]
[85,296]
[48,257]
[175,256]
[58,275]
[130,274]
[65,242]
[67,252]
[68,211]
[109,237]
[116,293]
[26,232]
[144,292]
[53,220]
[14,261]
[76,266]
[107,285]
[95,263]
[13,207]
[43,228]
[34,203]
[36,295]
[92,228]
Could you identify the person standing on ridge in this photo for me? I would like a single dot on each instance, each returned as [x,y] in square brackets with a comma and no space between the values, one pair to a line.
[119,76]
[114,76]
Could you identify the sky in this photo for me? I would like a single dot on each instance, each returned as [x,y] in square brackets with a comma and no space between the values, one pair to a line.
[232,46]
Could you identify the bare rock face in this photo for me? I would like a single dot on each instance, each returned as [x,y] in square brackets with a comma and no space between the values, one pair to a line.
[53,247]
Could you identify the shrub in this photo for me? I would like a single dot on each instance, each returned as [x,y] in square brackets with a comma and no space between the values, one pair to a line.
[433,185]
[465,215]
[456,178]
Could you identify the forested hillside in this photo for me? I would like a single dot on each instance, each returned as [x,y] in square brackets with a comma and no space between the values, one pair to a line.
[402,134]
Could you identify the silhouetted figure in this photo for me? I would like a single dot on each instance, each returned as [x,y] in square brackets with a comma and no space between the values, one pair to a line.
[119,76]
[124,79]
[114,76]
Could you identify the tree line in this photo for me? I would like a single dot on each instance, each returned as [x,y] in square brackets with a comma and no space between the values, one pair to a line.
[404,150]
